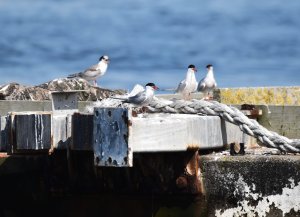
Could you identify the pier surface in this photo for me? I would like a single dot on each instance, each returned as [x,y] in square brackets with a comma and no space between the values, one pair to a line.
[173,154]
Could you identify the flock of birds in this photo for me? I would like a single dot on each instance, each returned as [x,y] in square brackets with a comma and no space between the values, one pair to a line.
[141,96]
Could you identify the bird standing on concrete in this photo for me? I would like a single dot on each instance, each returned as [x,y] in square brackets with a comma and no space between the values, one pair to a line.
[93,72]
[208,83]
[140,96]
[189,84]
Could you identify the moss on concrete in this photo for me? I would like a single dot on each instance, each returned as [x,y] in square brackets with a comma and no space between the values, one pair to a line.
[260,95]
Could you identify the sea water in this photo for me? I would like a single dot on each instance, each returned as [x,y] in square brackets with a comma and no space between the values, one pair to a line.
[250,43]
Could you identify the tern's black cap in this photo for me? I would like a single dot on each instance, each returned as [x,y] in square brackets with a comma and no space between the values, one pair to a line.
[208,66]
[192,66]
[152,85]
[104,57]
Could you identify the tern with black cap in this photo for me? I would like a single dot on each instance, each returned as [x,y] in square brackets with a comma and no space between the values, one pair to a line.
[95,71]
[189,84]
[140,96]
[208,83]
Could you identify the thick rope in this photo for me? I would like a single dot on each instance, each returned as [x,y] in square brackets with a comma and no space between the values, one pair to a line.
[231,114]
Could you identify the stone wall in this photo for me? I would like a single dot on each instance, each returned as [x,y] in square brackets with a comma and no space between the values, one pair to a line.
[283,119]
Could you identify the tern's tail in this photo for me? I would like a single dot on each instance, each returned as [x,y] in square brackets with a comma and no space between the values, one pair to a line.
[74,75]
[124,99]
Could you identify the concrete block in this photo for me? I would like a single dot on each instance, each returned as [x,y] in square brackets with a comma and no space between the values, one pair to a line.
[232,134]
[64,101]
[181,132]
[7,106]
[175,132]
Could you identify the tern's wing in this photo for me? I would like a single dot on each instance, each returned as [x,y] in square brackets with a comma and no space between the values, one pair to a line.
[91,70]
[74,75]
[196,87]
[139,98]
[136,89]
[181,86]
[201,85]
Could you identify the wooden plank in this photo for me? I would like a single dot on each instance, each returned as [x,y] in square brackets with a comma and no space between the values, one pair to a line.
[4,126]
[30,131]
[82,132]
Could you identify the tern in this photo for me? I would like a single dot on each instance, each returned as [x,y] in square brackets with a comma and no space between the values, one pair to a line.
[140,96]
[208,83]
[189,84]
[95,71]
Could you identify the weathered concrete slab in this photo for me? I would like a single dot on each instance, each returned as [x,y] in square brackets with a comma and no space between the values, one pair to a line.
[30,131]
[7,106]
[232,134]
[175,132]
[181,132]
[64,101]
[110,137]
[252,185]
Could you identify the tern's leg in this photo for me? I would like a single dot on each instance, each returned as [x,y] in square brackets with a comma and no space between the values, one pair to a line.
[210,96]
[95,83]
[185,96]
[205,96]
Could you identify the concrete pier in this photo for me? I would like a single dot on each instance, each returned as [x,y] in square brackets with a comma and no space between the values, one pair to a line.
[160,154]
[252,185]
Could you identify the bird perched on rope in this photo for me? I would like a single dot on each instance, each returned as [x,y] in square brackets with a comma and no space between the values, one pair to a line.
[208,83]
[139,95]
[189,84]
[93,72]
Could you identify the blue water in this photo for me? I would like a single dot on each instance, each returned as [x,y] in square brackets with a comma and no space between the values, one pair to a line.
[250,43]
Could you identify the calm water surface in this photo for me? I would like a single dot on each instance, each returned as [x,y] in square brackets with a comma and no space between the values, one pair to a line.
[251,43]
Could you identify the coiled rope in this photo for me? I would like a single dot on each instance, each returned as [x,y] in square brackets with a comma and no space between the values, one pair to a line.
[231,114]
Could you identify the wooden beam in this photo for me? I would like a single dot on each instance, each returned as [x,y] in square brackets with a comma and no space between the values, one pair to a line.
[30,131]
[82,132]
